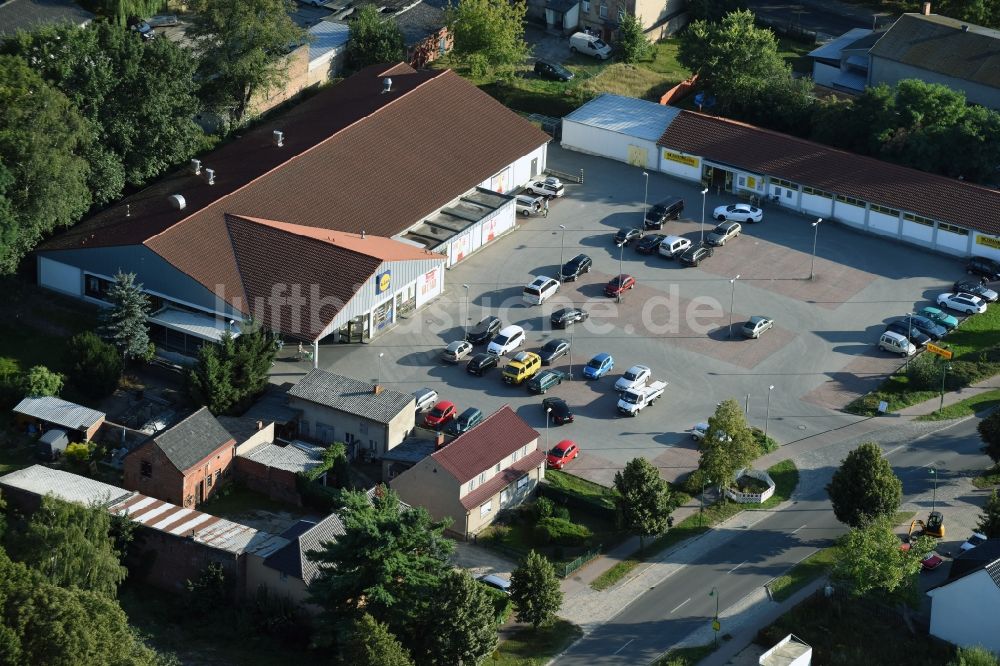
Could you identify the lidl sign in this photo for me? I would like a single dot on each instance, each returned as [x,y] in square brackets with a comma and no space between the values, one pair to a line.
[383,282]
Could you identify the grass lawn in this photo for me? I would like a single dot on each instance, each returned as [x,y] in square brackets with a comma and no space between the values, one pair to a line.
[794,52]
[15,457]
[967,407]
[527,647]
[973,336]
[588,489]
[785,476]
[988,479]
[685,656]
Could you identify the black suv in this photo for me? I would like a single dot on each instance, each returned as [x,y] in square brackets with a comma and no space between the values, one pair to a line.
[575,267]
[695,255]
[481,363]
[987,268]
[485,330]
[668,209]
[551,70]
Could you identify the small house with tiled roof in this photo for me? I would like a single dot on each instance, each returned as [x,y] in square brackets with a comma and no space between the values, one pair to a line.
[494,466]
[965,608]
[185,464]
[326,223]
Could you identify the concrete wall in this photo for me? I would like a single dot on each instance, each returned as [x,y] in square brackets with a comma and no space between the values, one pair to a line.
[263,436]
[277,583]
[965,612]
[326,425]
[171,485]
[892,72]
[984,245]
[849,213]
[167,561]
[606,143]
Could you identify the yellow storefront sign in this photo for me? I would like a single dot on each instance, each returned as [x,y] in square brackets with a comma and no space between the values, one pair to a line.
[687,160]
[988,241]
[940,351]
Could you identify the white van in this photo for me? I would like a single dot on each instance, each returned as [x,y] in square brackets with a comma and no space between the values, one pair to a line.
[540,290]
[590,45]
[528,205]
[897,344]
[507,340]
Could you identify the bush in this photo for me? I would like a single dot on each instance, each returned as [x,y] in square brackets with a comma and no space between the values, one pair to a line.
[561,512]
[560,531]
[963,373]
[502,604]
[692,484]
[95,366]
[40,381]
[765,445]
[544,508]
[78,454]
[924,373]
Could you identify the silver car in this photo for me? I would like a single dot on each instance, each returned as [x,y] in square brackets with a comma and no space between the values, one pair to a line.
[756,326]
[724,232]
[456,351]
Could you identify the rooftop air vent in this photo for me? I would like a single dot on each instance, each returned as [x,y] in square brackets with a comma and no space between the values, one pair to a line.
[362,233]
[177,201]
[279,138]
[386,85]
[196,167]
[210,176]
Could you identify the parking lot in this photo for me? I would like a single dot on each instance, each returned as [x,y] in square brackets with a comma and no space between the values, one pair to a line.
[820,355]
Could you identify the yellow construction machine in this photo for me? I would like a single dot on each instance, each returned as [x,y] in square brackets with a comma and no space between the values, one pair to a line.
[934,526]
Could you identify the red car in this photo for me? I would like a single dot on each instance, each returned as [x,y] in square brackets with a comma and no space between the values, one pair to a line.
[931,561]
[562,453]
[443,412]
[619,285]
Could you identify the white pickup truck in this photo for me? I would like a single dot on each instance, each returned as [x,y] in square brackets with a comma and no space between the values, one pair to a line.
[633,400]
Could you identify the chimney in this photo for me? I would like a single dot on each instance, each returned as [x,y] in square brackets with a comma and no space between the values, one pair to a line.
[926,9]
[260,425]
[210,176]
[438,440]
[377,389]
[196,167]
[279,138]
[386,85]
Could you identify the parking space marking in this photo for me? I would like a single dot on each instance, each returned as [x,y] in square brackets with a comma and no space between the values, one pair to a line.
[738,566]
[680,605]
[624,646]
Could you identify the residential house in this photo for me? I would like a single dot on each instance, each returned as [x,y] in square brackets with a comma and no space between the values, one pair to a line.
[28,15]
[369,418]
[273,468]
[842,63]
[185,464]
[412,450]
[659,18]
[494,466]
[965,608]
[939,49]
[46,412]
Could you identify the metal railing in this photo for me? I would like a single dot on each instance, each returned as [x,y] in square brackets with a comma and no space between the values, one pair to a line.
[564,570]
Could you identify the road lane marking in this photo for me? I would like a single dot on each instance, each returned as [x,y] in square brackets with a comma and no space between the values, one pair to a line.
[676,609]
[738,566]
[626,645]
[797,529]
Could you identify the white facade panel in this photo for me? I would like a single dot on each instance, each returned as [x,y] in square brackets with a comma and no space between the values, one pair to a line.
[680,164]
[60,277]
[517,174]
[430,285]
[849,213]
[882,223]
[613,145]
[964,612]
[948,241]
[817,205]
[917,232]
[986,246]
[786,195]
[749,182]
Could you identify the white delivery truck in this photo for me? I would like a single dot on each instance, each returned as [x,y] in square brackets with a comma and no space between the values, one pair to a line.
[633,400]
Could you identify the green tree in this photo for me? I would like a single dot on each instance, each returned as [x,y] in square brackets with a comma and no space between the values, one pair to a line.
[974,656]
[981,12]
[139,96]
[861,124]
[870,560]
[242,46]
[387,564]
[374,38]
[372,644]
[70,545]
[229,375]
[989,432]
[989,519]
[489,35]
[120,11]
[124,323]
[39,381]
[642,499]
[253,356]
[43,173]
[78,454]
[864,487]
[728,445]
[534,589]
[461,623]
[95,366]
[632,43]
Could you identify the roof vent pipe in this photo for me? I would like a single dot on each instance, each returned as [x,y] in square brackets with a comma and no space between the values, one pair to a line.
[210,176]
[177,201]
[279,138]
[362,233]
[965,28]
[386,85]
[196,167]
[926,9]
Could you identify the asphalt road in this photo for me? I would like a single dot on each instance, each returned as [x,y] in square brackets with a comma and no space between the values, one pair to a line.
[679,605]
[820,16]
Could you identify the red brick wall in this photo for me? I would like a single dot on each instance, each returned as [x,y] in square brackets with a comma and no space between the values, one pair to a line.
[168,562]
[278,484]
[170,485]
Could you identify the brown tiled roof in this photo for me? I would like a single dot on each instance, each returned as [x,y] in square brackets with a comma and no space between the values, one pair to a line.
[837,171]
[479,449]
[503,479]
[354,159]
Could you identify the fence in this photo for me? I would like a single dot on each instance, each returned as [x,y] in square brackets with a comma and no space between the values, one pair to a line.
[562,175]
[564,570]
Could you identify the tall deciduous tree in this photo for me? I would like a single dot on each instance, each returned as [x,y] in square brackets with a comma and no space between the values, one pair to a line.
[39,381]
[243,46]
[534,589]
[374,38]
[388,563]
[70,545]
[139,96]
[864,487]
[489,35]
[989,519]
[43,173]
[124,323]
[461,623]
[871,560]
[974,656]
[643,499]
[989,432]
[229,375]
[632,43]
[95,365]
[728,445]
[372,644]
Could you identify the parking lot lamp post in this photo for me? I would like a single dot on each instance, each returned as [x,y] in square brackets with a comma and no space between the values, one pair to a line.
[571,355]
[812,266]
[934,496]
[547,419]
[909,332]
[465,325]
[380,355]
[732,303]
[645,198]
[562,246]
[703,193]
[621,261]
[944,373]
[767,414]
[715,620]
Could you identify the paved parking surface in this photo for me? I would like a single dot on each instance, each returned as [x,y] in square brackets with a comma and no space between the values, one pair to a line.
[820,355]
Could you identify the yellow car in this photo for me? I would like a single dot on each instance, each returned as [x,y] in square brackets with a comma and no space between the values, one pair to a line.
[523,366]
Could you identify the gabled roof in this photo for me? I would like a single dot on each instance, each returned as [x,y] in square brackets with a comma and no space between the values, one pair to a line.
[303,537]
[193,439]
[974,559]
[940,44]
[30,14]
[350,395]
[60,412]
[832,50]
[292,457]
[42,480]
[840,172]
[489,443]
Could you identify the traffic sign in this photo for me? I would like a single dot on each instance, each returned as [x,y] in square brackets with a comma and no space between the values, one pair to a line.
[940,351]
[716,625]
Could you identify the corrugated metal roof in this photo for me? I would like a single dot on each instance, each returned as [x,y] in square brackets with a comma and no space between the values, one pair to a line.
[832,49]
[66,486]
[627,115]
[55,410]
[351,395]
[294,457]
[327,37]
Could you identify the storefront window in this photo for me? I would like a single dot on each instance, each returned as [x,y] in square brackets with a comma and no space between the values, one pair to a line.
[96,287]
[382,316]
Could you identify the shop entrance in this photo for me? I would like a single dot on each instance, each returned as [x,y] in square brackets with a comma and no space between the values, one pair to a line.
[718,179]
[356,330]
